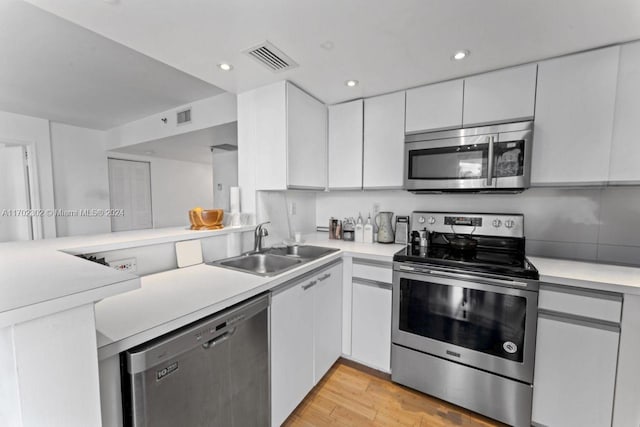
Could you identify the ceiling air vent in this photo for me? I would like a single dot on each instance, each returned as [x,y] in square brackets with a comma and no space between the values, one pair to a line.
[271,57]
[183,117]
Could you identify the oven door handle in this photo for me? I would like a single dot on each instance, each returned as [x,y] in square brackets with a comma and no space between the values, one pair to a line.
[447,274]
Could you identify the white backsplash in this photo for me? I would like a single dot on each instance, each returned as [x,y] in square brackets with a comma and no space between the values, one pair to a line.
[590,223]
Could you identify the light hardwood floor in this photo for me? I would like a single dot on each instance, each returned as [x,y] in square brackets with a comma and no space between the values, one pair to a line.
[352,395]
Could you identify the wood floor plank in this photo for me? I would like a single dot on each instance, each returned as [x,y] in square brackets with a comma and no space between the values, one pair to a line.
[349,396]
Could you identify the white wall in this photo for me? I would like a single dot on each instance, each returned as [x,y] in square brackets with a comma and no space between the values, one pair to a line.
[80,177]
[580,223]
[205,113]
[32,131]
[225,175]
[176,187]
[288,212]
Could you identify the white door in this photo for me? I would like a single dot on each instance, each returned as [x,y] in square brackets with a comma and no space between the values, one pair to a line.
[574,118]
[15,200]
[575,373]
[327,320]
[306,140]
[501,96]
[345,145]
[383,165]
[625,148]
[130,190]
[371,325]
[291,349]
[435,107]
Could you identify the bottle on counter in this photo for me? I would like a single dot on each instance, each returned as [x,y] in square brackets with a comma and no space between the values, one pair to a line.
[368,231]
[359,229]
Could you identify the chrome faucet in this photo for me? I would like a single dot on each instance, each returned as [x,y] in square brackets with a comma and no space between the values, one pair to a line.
[260,232]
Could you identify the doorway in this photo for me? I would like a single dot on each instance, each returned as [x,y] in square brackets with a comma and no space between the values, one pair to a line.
[130,191]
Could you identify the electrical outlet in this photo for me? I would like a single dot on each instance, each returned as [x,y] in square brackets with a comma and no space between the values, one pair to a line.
[129,265]
[292,208]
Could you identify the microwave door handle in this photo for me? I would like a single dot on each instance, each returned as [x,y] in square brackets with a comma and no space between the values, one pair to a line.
[490,162]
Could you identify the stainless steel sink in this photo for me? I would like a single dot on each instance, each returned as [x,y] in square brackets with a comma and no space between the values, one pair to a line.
[272,261]
[260,263]
[305,252]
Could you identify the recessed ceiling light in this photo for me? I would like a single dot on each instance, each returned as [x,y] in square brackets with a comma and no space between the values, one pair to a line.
[351,83]
[149,152]
[460,55]
[225,67]
[328,45]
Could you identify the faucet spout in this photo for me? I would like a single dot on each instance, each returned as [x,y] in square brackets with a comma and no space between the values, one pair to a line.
[259,233]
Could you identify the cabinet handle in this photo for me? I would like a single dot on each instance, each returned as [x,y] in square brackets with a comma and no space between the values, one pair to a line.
[325,277]
[310,284]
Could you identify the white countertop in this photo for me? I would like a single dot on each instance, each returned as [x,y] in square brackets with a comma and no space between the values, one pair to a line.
[38,278]
[604,277]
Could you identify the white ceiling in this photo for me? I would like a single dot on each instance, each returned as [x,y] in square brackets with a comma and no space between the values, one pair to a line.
[189,147]
[386,45]
[55,69]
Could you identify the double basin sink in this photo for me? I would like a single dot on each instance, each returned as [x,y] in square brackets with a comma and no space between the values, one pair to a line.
[272,261]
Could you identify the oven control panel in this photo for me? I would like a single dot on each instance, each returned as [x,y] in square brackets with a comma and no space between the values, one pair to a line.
[503,225]
[472,221]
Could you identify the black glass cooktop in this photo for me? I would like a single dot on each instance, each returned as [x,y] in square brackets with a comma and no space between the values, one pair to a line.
[504,257]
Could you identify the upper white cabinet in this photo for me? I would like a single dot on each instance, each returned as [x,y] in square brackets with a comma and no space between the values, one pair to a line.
[307,140]
[345,145]
[434,107]
[574,118]
[625,148]
[287,129]
[384,141]
[501,96]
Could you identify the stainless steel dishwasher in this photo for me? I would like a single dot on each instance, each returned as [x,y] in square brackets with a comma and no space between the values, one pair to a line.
[214,372]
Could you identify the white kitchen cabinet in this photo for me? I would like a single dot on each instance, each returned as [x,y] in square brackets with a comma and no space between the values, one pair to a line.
[327,320]
[625,147]
[306,337]
[383,165]
[291,349]
[506,95]
[345,145]
[307,140]
[574,118]
[371,324]
[575,372]
[434,107]
[288,130]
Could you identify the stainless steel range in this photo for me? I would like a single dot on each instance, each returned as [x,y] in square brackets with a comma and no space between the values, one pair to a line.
[465,302]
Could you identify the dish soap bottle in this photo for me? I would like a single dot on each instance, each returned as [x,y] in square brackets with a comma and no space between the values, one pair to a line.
[359,229]
[368,231]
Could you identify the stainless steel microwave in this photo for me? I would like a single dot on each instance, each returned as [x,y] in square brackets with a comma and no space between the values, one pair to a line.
[482,159]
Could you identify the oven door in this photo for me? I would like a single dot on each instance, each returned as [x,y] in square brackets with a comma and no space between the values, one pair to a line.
[482,325]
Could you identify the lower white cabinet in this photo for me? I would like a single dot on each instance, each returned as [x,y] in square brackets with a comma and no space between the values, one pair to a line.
[371,324]
[575,372]
[306,337]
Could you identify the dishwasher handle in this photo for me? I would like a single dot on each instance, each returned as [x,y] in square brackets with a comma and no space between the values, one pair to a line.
[219,339]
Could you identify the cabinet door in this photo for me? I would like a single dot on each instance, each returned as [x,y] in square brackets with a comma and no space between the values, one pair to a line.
[345,145]
[371,325]
[327,320]
[291,349]
[574,118]
[434,107]
[501,96]
[306,140]
[384,141]
[625,148]
[575,373]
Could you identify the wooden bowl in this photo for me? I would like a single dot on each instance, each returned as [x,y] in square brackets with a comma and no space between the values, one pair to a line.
[212,217]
